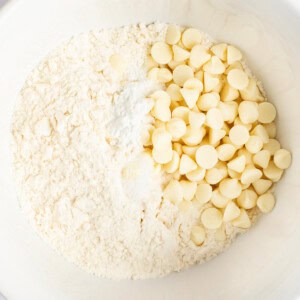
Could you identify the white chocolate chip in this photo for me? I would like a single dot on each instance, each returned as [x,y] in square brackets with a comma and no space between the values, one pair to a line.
[190,151]
[214,66]
[262,185]
[196,119]
[173,35]
[173,64]
[233,54]
[161,138]
[215,135]
[182,73]
[272,146]
[238,164]
[181,112]
[239,135]
[180,54]
[199,56]
[266,202]
[238,121]
[186,165]
[222,167]
[271,129]
[213,176]
[233,174]
[282,158]
[230,188]
[153,73]
[196,175]
[210,81]
[225,152]
[173,192]
[161,52]
[247,155]
[238,79]
[250,175]
[193,83]
[248,112]
[262,158]
[220,50]
[260,131]
[193,136]
[235,65]
[176,127]
[208,101]
[251,92]
[218,200]
[214,118]
[229,111]
[118,63]
[174,92]
[273,172]
[266,112]
[247,199]
[198,235]
[161,112]
[254,144]
[228,93]
[242,221]
[189,189]
[164,75]
[231,212]
[150,63]
[190,96]
[162,155]
[206,156]
[162,97]
[203,193]
[173,165]
[211,218]
[191,37]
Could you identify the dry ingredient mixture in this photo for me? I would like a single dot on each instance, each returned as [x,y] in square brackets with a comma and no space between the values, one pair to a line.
[143,150]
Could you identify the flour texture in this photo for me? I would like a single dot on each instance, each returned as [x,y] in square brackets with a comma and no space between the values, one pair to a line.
[84,180]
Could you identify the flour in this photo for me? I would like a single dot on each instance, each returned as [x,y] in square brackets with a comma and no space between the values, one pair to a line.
[84,180]
[128,115]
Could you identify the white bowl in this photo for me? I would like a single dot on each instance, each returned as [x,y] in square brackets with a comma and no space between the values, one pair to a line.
[262,264]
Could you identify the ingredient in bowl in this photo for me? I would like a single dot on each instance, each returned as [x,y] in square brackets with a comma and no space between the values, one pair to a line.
[142,150]
[227,114]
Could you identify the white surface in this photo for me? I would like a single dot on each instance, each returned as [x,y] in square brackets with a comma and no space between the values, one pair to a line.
[263,264]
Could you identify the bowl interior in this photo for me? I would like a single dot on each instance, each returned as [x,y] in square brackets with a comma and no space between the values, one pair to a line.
[263,263]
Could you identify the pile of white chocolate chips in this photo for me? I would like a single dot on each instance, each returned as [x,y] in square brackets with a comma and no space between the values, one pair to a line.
[212,131]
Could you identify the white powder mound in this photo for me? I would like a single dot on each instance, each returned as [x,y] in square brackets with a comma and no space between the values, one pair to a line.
[84,181]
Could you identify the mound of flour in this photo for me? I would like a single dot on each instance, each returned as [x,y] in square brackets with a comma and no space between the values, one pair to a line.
[84,181]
